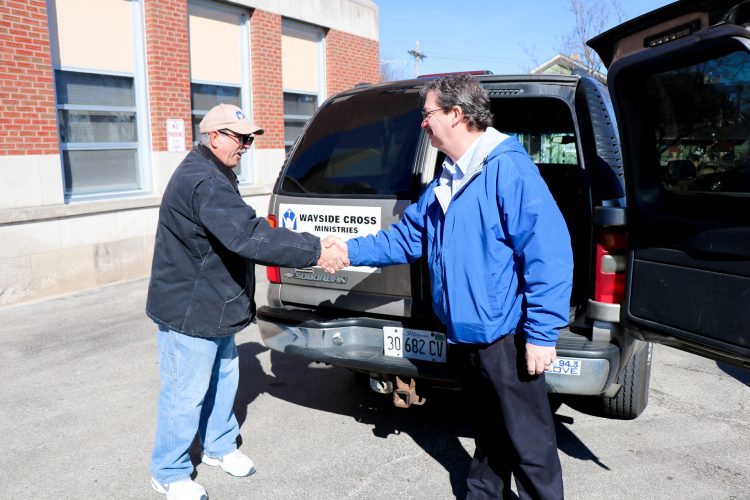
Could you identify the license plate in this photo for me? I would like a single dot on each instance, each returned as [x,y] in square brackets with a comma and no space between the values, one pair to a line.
[566,366]
[414,344]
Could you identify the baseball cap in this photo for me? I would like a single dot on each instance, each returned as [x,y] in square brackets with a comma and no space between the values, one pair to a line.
[227,116]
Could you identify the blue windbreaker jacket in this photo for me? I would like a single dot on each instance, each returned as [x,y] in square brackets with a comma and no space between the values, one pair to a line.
[500,256]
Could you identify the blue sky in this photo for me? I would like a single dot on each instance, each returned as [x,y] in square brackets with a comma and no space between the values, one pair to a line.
[498,35]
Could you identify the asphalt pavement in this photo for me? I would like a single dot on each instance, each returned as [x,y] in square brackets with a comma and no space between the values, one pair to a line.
[79,381]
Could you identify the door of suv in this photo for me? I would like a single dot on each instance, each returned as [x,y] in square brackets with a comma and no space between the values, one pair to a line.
[679,78]
[351,174]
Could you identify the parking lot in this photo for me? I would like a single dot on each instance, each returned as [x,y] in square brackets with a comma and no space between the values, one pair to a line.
[80,378]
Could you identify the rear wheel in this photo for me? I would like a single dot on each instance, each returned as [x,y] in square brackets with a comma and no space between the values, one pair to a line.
[634,379]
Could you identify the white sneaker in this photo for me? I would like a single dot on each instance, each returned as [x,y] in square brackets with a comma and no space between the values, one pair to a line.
[235,463]
[187,489]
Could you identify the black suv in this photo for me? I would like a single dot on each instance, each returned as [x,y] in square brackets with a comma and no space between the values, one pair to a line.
[659,228]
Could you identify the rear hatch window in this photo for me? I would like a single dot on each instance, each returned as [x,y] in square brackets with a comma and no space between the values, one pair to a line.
[700,115]
[361,144]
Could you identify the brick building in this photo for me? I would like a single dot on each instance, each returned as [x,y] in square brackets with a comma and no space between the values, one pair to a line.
[100,99]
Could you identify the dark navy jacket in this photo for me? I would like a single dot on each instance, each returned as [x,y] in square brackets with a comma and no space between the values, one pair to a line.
[207,242]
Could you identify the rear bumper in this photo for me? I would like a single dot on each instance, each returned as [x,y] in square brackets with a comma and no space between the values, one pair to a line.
[357,343]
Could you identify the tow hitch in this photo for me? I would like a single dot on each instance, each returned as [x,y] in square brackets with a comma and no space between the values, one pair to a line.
[405,394]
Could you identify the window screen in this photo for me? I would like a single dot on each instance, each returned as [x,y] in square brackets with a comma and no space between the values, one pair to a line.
[98,132]
[298,108]
[101,170]
[302,76]
[206,96]
[219,65]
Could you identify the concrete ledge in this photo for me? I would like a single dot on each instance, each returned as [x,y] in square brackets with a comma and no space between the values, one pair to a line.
[48,251]
[77,209]
[65,270]
[358,17]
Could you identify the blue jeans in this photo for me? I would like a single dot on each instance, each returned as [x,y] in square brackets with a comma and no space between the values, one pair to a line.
[199,379]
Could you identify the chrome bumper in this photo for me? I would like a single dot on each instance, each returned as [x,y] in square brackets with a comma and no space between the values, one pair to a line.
[357,343]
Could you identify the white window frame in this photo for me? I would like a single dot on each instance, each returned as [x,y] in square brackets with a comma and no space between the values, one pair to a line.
[143,144]
[246,171]
[304,30]
[300,119]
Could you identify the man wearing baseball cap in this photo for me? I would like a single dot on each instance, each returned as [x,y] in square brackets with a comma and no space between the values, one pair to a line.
[230,122]
[201,294]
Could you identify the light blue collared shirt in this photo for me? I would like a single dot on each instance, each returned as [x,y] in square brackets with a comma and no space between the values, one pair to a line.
[453,176]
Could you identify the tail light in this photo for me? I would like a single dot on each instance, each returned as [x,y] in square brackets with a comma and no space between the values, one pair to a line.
[609,285]
[273,273]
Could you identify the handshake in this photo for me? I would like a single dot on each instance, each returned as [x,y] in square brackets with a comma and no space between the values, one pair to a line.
[334,254]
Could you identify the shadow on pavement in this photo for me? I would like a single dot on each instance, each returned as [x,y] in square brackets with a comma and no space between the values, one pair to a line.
[567,441]
[436,427]
[743,375]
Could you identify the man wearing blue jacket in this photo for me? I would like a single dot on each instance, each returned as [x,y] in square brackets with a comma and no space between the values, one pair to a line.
[501,267]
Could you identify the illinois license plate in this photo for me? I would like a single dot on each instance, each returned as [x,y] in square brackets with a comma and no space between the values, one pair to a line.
[566,366]
[414,344]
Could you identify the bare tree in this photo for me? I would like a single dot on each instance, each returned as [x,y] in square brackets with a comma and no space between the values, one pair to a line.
[591,18]
[533,59]
[391,70]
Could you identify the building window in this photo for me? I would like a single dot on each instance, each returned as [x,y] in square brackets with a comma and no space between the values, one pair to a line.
[298,108]
[219,65]
[99,89]
[204,96]
[303,75]
[98,132]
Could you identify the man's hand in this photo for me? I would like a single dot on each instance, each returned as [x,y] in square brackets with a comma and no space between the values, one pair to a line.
[539,357]
[334,254]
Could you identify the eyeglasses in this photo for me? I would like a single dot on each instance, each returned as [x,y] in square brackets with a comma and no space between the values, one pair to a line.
[427,114]
[242,140]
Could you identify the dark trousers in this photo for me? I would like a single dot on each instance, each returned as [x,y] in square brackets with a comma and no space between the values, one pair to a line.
[512,422]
